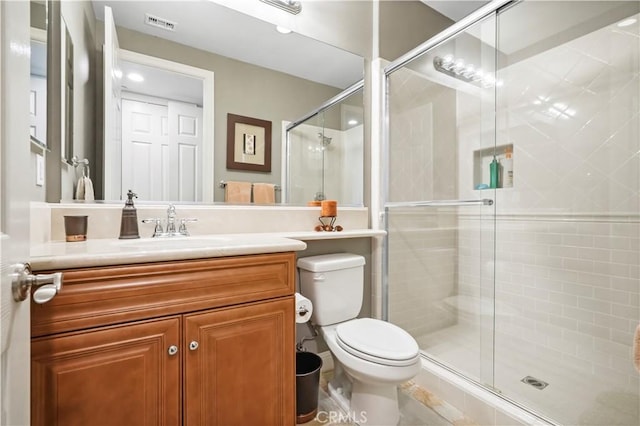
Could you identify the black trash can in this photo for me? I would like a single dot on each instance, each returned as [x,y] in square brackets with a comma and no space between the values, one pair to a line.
[307,385]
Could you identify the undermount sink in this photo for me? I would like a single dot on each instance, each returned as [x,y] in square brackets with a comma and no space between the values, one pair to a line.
[175,243]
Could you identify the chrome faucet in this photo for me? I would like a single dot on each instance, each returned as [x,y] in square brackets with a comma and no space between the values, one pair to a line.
[170,231]
[171,219]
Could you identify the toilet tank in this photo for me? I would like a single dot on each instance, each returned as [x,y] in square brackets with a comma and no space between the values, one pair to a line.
[334,283]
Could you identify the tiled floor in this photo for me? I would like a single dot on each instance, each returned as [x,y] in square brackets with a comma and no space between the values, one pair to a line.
[418,407]
[595,399]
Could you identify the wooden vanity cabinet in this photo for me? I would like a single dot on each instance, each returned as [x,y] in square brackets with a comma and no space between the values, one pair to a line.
[116,376]
[197,342]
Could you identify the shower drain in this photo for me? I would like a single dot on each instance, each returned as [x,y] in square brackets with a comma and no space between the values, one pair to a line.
[536,383]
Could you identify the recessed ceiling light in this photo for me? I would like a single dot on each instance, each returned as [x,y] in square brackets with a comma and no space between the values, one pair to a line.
[627,22]
[282,30]
[135,77]
[352,122]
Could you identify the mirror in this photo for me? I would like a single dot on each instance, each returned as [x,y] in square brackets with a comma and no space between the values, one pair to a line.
[277,83]
[38,71]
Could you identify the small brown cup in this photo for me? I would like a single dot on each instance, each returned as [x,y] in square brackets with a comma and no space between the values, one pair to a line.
[75,228]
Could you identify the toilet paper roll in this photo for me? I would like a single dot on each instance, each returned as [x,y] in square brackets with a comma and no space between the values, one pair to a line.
[304,309]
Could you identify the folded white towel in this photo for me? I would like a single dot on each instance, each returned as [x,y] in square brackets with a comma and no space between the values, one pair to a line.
[88,190]
[80,189]
[84,189]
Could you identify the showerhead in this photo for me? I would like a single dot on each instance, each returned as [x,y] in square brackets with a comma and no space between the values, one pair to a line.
[325,139]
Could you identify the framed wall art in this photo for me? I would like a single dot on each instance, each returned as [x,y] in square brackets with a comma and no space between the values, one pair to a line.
[248,144]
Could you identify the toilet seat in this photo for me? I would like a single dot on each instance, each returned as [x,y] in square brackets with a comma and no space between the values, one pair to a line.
[377,341]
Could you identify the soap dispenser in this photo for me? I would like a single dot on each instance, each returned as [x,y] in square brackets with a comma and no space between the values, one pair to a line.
[129,221]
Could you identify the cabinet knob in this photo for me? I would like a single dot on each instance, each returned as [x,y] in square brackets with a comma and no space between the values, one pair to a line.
[193,345]
[173,349]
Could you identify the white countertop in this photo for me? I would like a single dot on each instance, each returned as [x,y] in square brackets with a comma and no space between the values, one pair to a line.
[103,252]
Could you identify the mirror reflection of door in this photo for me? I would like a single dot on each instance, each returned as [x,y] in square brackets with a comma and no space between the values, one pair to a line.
[161,148]
[162,133]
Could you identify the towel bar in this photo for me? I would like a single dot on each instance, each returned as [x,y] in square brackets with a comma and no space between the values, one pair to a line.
[441,203]
[223,184]
[75,162]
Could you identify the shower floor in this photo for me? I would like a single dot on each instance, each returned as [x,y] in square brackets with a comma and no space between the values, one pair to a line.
[571,398]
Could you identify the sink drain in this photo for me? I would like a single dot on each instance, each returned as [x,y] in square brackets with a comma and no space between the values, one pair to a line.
[536,383]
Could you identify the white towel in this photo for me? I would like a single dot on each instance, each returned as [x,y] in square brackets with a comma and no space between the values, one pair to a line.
[80,189]
[88,190]
[84,189]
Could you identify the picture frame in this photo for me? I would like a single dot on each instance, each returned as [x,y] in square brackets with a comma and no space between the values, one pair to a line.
[248,143]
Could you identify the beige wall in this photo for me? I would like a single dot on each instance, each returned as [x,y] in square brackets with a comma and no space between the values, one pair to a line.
[405,25]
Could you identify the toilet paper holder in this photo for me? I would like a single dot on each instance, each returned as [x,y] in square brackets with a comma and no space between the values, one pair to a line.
[302,311]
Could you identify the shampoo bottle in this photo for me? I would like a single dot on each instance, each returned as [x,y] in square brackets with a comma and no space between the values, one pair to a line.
[494,168]
[507,169]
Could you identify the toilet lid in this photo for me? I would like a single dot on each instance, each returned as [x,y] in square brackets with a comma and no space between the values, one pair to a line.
[377,341]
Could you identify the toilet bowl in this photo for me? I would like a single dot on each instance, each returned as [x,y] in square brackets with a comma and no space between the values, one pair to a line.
[371,365]
[371,357]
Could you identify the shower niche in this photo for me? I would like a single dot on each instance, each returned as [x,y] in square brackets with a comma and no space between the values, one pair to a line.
[482,170]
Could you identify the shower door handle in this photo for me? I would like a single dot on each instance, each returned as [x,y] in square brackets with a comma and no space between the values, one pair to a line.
[441,203]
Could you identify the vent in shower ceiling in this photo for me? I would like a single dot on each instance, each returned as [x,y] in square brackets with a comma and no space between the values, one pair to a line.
[156,21]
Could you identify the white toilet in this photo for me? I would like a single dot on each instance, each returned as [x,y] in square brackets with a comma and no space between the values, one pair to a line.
[376,355]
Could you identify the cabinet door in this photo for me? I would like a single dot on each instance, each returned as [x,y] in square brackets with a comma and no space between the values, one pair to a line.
[242,371]
[113,376]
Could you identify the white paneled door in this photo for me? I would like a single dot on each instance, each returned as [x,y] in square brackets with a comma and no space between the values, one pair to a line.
[16,192]
[145,150]
[162,149]
[185,136]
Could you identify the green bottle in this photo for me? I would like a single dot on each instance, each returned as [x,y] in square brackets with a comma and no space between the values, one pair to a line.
[493,173]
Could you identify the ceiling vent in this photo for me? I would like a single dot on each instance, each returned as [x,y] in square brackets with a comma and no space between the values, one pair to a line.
[156,21]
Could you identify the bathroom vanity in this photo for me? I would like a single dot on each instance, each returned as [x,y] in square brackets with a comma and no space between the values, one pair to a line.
[204,341]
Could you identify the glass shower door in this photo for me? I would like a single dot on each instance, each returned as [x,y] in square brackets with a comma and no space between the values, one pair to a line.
[568,229]
[439,209]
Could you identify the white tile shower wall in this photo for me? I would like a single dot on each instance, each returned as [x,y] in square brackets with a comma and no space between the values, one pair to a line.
[567,293]
[422,157]
[567,234]
[572,114]
[422,242]
[335,168]
[422,270]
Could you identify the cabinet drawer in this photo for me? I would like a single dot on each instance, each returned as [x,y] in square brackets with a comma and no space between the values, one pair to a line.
[94,297]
